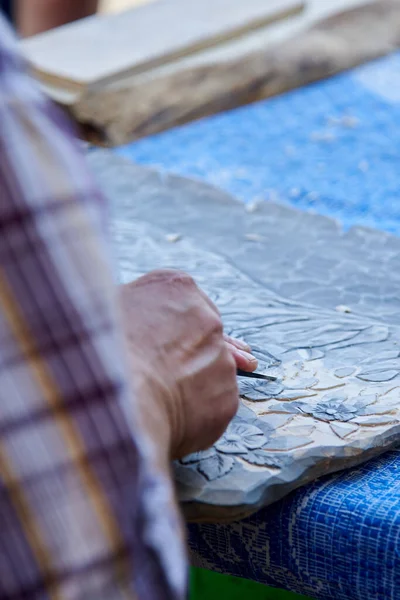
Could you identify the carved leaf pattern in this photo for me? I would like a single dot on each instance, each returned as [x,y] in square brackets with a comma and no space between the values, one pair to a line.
[342,372]
[377,420]
[210,463]
[383,367]
[310,354]
[197,457]
[261,458]
[342,430]
[215,466]
[287,442]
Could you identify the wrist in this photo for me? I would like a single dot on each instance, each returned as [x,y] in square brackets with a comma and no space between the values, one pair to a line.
[152,399]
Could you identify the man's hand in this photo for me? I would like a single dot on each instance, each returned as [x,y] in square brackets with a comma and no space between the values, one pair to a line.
[184,368]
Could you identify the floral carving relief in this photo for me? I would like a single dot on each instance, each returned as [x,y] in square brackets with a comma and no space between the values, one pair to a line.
[335,400]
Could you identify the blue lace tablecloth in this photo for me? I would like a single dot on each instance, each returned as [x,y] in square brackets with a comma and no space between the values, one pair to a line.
[333,148]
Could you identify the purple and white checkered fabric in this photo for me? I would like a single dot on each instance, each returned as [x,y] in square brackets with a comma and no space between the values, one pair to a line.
[84,513]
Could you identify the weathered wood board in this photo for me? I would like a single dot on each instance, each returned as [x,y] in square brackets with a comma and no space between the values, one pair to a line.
[102,48]
[149,104]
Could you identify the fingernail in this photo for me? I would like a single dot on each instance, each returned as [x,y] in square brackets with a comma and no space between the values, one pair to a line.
[249,357]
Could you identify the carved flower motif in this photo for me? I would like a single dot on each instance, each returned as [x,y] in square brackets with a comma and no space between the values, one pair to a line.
[335,409]
[338,408]
[258,390]
[244,441]
[239,438]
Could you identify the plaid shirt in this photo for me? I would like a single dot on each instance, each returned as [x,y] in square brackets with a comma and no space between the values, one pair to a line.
[84,513]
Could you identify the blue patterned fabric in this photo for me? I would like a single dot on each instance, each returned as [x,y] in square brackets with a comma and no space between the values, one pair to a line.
[290,149]
[334,148]
[336,539]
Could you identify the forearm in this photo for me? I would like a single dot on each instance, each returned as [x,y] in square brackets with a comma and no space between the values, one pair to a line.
[35,16]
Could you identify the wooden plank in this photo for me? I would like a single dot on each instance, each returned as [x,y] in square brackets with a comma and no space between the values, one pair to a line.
[98,49]
[147,106]
[107,6]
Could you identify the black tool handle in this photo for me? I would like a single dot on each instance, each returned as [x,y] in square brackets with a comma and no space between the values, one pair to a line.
[241,373]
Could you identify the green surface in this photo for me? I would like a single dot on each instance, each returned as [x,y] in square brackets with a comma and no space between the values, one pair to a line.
[206,585]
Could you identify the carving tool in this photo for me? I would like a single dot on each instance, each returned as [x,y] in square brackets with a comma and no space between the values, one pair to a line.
[241,373]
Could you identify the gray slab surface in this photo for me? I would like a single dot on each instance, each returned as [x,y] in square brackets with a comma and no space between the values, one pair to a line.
[319,307]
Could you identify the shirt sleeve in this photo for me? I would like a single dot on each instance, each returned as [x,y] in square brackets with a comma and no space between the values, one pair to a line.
[84,514]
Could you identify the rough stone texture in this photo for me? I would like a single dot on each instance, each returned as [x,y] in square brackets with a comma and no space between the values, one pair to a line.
[278,277]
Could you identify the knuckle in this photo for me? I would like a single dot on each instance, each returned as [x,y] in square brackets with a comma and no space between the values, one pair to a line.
[180,277]
[170,276]
[208,323]
[215,322]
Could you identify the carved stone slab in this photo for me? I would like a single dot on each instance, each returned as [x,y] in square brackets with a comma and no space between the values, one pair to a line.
[336,401]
